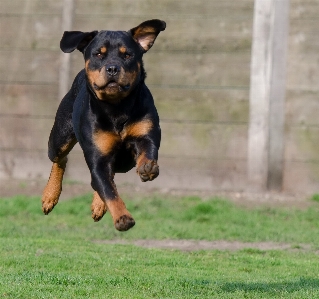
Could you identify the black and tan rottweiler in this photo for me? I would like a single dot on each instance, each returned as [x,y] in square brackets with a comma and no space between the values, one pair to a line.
[111,113]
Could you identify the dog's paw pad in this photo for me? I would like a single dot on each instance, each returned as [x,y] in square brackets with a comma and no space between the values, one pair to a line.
[148,171]
[124,223]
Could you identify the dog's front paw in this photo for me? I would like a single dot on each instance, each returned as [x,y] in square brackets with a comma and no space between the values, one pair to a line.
[98,207]
[124,223]
[122,218]
[148,171]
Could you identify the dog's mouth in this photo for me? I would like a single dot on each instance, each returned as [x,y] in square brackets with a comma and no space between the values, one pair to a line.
[112,86]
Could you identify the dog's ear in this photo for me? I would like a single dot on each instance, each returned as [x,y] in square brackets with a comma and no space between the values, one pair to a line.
[72,40]
[146,33]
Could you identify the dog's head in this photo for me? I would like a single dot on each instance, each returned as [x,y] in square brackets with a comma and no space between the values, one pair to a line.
[113,59]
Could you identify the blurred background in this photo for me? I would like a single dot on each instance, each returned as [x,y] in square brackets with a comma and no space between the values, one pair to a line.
[198,72]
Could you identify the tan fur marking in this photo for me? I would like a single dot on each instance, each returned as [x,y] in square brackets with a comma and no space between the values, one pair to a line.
[105,141]
[126,77]
[98,207]
[103,50]
[117,208]
[138,129]
[122,50]
[65,149]
[93,76]
[96,77]
[129,77]
[144,30]
[53,188]
[141,159]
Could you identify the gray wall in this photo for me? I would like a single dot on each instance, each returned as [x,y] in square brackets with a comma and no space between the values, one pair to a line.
[198,72]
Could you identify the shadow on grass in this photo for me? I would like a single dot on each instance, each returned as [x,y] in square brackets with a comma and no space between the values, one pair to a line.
[274,287]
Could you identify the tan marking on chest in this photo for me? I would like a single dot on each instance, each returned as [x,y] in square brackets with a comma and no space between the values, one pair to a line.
[137,129]
[105,141]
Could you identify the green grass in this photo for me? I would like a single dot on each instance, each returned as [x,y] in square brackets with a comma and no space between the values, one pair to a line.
[315,197]
[59,256]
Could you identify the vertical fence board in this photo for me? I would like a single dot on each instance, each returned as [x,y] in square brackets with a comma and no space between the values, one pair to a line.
[267,94]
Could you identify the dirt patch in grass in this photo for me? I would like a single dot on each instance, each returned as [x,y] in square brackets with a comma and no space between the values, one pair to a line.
[195,245]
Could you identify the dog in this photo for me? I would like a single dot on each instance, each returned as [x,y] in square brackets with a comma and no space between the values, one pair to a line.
[111,113]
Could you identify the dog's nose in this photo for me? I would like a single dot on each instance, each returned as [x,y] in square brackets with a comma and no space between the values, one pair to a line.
[112,70]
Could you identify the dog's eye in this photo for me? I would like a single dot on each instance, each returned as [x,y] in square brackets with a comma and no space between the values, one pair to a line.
[100,55]
[127,56]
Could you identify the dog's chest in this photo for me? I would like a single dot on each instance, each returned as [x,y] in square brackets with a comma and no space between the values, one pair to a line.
[118,123]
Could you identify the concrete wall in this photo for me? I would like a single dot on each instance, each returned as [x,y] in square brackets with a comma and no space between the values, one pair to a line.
[198,72]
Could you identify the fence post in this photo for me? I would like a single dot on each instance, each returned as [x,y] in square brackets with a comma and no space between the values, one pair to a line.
[267,94]
[65,63]
[65,59]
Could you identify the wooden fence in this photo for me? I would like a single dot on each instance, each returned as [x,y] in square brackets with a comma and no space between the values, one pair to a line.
[198,72]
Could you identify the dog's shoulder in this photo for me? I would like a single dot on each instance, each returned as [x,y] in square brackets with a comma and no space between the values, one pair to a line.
[78,82]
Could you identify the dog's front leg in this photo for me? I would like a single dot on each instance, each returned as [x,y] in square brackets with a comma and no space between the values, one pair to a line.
[146,159]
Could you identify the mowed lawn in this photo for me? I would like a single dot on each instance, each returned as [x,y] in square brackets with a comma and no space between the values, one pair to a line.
[64,254]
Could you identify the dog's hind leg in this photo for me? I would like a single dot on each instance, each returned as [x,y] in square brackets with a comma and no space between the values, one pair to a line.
[98,207]
[52,191]
[62,140]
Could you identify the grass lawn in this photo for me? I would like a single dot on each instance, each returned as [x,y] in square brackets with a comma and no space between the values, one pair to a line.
[62,256]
